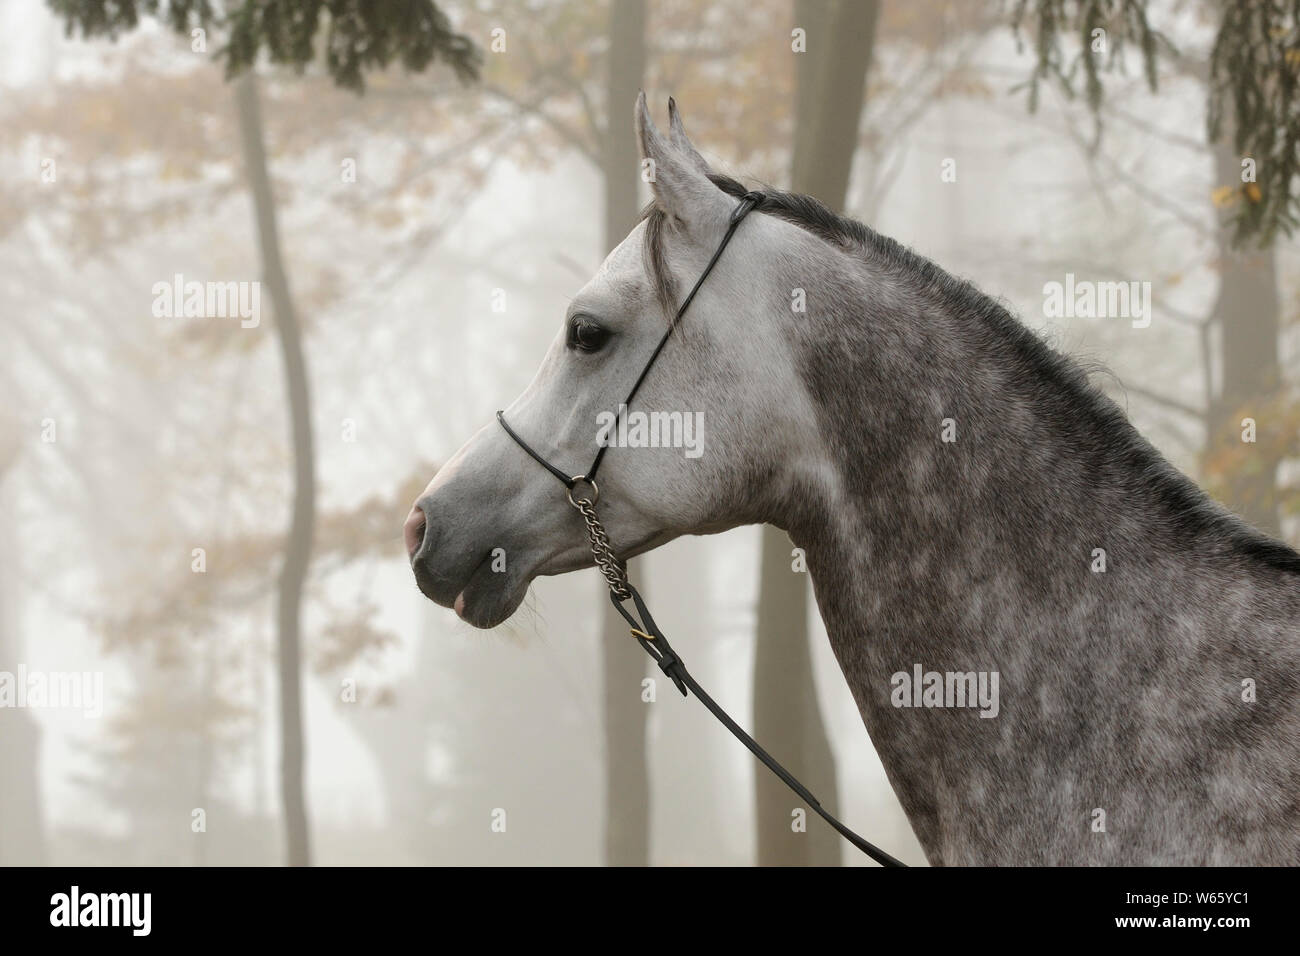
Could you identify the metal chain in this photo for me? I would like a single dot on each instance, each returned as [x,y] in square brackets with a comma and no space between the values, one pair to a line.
[614,570]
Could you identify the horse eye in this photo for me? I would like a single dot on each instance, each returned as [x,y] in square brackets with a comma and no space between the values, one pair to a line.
[587,336]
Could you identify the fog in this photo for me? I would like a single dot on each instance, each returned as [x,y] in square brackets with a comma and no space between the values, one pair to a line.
[148,467]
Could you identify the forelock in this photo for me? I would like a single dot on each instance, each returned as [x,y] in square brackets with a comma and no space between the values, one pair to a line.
[656,259]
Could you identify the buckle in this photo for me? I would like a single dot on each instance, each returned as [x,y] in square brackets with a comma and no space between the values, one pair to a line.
[747,202]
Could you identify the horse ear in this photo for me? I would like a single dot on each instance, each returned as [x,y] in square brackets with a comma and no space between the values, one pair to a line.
[678,175]
[677,133]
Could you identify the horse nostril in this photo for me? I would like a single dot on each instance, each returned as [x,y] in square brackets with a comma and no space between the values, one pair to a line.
[413,531]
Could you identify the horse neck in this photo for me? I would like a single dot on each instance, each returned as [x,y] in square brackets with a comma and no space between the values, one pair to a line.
[983,553]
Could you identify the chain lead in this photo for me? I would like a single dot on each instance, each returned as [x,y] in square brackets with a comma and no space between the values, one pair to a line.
[614,570]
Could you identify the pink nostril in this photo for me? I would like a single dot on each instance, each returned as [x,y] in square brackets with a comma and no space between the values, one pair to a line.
[413,531]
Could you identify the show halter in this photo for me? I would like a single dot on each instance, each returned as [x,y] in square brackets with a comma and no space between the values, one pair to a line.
[643,626]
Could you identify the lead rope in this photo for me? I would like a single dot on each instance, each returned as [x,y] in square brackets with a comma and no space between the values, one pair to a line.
[651,638]
[643,626]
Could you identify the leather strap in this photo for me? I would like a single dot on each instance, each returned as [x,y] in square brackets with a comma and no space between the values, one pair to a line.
[565,480]
[747,202]
[650,637]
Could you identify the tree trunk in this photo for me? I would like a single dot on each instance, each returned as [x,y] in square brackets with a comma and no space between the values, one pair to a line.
[627,777]
[22,829]
[22,822]
[830,90]
[831,86]
[1247,312]
[297,554]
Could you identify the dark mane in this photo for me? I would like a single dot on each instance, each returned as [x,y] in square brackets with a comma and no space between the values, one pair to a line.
[1193,510]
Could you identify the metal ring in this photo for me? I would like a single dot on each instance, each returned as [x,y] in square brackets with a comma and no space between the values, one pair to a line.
[595,492]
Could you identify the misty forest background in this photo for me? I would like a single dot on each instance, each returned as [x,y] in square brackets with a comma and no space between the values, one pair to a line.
[299,690]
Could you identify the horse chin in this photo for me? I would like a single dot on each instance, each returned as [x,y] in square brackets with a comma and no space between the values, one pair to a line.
[487,613]
[484,598]
[487,600]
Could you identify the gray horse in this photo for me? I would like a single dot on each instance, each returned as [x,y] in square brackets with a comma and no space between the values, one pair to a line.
[1063,651]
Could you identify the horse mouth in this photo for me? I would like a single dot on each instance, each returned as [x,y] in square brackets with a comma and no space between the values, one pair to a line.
[490,593]
[486,598]
[469,603]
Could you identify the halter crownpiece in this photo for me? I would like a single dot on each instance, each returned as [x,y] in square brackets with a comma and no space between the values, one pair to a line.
[748,202]
[644,629]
